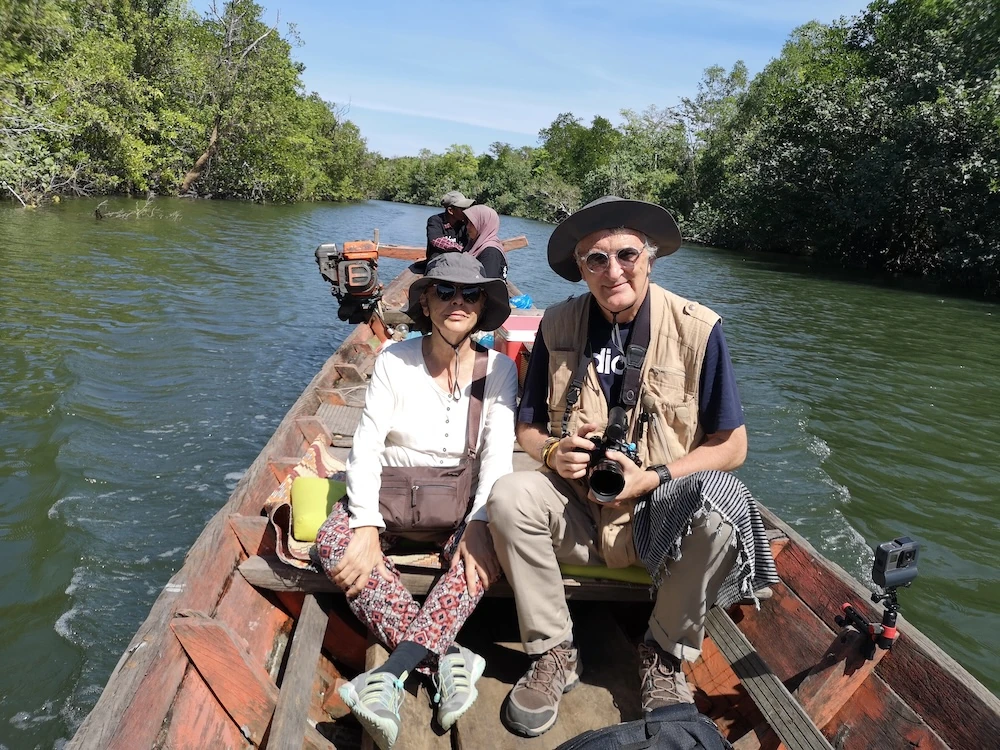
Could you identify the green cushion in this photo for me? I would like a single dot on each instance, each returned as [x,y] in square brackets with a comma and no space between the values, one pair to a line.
[632,574]
[313,499]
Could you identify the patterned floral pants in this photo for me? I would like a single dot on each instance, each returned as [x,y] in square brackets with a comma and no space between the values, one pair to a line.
[387,608]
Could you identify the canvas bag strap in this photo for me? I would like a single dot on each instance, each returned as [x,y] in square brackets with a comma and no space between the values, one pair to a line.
[476,401]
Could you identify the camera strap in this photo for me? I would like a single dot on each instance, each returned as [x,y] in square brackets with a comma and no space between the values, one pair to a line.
[635,355]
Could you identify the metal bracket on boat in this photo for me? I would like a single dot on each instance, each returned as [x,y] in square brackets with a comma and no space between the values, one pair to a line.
[881,635]
[895,567]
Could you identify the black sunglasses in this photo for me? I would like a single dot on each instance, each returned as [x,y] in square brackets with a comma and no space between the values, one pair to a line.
[598,261]
[446,292]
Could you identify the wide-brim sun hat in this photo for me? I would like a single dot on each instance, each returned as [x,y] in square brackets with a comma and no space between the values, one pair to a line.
[610,212]
[463,269]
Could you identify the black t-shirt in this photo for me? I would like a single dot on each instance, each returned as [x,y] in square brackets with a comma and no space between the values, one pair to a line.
[719,404]
[437,226]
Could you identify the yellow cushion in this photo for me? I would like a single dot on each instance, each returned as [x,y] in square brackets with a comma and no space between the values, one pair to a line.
[313,499]
[631,574]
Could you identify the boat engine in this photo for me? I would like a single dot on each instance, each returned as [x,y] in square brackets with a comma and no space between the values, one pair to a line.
[353,274]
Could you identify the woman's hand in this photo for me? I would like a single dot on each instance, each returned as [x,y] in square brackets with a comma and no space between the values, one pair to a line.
[362,556]
[571,457]
[475,549]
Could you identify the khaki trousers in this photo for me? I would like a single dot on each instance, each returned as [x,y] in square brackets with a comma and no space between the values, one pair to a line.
[538,520]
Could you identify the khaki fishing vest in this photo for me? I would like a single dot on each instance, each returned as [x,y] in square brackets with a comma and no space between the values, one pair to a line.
[669,391]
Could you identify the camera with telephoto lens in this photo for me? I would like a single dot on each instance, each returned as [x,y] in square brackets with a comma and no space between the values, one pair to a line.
[606,477]
[895,562]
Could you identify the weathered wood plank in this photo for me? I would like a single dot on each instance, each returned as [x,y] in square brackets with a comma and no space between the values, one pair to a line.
[255,535]
[135,702]
[607,694]
[311,428]
[270,573]
[281,466]
[411,252]
[290,713]
[241,685]
[198,721]
[952,702]
[781,710]
[345,639]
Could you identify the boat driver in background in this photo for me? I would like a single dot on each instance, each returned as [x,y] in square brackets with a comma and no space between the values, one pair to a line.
[446,232]
[663,361]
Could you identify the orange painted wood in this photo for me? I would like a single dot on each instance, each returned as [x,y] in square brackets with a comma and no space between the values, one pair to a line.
[877,718]
[929,681]
[281,466]
[241,685]
[831,683]
[262,626]
[786,633]
[312,428]
[289,725]
[198,721]
[346,639]
[139,694]
[254,534]
[410,252]
[719,694]
[330,396]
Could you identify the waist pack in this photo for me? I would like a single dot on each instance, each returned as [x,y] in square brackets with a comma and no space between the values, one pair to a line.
[678,727]
[428,499]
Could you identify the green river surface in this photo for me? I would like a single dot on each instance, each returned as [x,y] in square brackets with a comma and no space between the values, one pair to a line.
[144,362]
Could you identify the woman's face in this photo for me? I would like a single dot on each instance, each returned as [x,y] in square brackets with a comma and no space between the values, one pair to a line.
[471,229]
[454,315]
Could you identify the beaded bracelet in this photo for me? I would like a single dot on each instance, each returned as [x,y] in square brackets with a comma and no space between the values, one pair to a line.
[548,449]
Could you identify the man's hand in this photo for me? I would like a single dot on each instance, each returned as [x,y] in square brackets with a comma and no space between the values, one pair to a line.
[572,456]
[362,556]
[638,482]
[475,549]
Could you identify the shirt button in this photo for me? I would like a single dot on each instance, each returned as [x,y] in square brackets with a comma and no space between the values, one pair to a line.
[446,434]
[446,421]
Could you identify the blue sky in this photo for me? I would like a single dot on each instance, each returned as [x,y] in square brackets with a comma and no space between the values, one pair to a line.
[426,75]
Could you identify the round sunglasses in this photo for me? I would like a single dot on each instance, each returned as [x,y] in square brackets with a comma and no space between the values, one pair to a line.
[598,261]
[446,291]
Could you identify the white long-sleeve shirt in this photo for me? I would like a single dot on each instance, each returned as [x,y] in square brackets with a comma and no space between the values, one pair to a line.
[408,420]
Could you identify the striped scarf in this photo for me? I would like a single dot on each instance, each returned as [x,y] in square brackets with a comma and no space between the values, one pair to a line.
[663,518]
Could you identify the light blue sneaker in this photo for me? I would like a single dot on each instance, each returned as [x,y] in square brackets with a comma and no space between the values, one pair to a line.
[375,700]
[456,684]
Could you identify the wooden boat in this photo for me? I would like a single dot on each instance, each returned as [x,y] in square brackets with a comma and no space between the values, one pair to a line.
[411,252]
[242,651]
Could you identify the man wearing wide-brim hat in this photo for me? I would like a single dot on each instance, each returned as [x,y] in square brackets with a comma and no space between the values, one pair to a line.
[658,364]
[447,231]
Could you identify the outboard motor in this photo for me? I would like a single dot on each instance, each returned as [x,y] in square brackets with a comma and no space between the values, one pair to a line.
[353,274]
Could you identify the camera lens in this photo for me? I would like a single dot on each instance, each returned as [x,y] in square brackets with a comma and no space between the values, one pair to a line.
[607,481]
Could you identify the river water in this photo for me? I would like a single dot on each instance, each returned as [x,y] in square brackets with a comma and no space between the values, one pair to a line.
[145,361]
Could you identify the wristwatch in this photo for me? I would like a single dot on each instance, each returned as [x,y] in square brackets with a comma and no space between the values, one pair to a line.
[662,472]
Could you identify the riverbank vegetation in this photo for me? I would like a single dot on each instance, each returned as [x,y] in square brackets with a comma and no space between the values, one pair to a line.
[146,96]
[871,142]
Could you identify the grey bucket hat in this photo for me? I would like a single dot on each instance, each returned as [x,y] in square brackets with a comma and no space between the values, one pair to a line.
[610,212]
[461,268]
[456,199]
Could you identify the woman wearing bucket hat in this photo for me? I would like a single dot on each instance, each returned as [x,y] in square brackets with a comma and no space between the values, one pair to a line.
[416,414]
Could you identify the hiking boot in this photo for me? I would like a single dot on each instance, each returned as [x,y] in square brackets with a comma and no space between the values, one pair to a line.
[375,700]
[533,703]
[663,682]
[456,685]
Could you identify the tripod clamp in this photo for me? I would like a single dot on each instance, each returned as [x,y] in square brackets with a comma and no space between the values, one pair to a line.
[881,635]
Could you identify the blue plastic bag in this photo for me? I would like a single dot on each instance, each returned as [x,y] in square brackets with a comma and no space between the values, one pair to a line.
[522,301]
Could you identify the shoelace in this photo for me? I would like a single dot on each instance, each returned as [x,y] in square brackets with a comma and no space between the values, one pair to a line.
[659,680]
[383,690]
[451,677]
[545,669]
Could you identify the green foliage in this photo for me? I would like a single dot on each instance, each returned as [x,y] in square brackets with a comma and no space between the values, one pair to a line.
[144,96]
[874,143]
